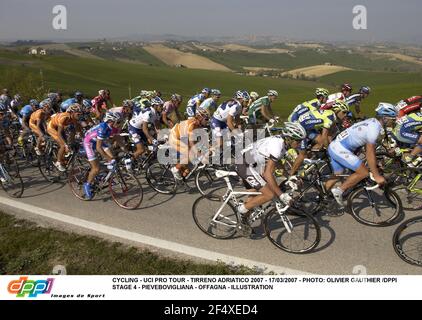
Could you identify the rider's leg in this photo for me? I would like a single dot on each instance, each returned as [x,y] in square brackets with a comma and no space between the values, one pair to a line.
[418,149]
[265,196]
[361,173]
[95,169]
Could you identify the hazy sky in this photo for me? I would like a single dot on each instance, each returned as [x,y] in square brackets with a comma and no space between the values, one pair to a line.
[394,20]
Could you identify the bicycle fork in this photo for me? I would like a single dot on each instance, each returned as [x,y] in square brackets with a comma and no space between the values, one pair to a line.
[286,221]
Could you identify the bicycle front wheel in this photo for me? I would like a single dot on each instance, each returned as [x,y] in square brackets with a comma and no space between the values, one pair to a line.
[222,226]
[13,183]
[126,190]
[78,174]
[376,208]
[293,233]
[407,241]
[161,179]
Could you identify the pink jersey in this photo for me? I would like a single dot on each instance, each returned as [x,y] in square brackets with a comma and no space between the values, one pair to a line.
[169,107]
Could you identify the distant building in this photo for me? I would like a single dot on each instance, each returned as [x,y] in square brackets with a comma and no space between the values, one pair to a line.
[43,52]
[39,51]
[33,51]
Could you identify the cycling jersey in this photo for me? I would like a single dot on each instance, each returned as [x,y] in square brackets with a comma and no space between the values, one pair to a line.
[313,122]
[193,103]
[354,100]
[25,111]
[342,149]
[407,129]
[14,105]
[180,135]
[409,105]
[140,104]
[335,96]
[312,105]
[37,116]
[230,107]
[99,102]
[169,107]
[67,103]
[100,132]
[208,105]
[255,110]
[148,115]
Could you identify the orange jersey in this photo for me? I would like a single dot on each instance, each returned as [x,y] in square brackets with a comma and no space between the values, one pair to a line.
[63,119]
[39,115]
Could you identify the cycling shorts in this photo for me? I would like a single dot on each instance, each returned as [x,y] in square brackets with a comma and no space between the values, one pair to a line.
[251,178]
[342,158]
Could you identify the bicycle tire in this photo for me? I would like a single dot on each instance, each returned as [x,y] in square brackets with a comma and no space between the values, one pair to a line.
[14,187]
[297,220]
[206,226]
[392,198]
[160,178]
[76,178]
[411,201]
[122,179]
[398,241]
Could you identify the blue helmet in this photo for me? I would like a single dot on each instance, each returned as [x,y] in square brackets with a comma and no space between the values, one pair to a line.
[242,94]
[386,110]
[365,89]
[34,103]
[157,101]
[206,91]
[78,95]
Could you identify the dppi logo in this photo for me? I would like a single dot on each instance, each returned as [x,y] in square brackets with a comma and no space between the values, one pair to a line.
[32,288]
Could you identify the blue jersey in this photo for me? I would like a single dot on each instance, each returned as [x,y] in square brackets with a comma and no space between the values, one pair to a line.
[67,103]
[354,100]
[101,131]
[26,111]
[360,134]
[196,100]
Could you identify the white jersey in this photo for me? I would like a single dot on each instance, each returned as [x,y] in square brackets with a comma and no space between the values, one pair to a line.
[208,104]
[360,134]
[231,107]
[195,100]
[268,148]
[147,115]
[336,96]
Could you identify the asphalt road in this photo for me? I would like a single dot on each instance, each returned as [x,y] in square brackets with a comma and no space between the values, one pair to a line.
[347,247]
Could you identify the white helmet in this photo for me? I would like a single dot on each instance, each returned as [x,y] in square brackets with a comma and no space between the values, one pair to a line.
[294,130]
[254,95]
[112,116]
[272,93]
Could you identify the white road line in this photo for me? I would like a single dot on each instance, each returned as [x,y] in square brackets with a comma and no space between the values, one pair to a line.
[155,242]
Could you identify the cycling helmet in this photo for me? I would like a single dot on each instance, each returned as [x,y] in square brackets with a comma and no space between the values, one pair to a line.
[365,89]
[272,93]
[17,97]
[143,93]
[215,92]
[294,130]
[176,97]
[340,105]
[322,92]
[128,103]
[254,95]
[45,103]
[53,96]
[75,107]
[347,87]
[157,101]
[86,105]
[78,95]
[206,91]
[386,110]
[34,103]
[112,116]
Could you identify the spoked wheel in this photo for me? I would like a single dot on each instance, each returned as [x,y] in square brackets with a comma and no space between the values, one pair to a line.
[377,208]
[292,232]
[47,168]
[161,179]
[222,226]
[411,201]
[12,181]
[126,190]
[407,241]
[78,175]
[206,180]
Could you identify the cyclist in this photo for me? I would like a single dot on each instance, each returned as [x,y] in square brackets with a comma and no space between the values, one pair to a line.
[253,97]
[312,105]
[259,164]
[38,124]
[342,154]
[260,111]
[169,107]
[24,115]
[99,103]
[56,128]
[210,104]
[55,100]
[139,128]
[182,139]
[408,131]
[94,142]
[409,105]
[196,101]
[77,98]
[346,91]
[356,99]
[14,106]
[5,137]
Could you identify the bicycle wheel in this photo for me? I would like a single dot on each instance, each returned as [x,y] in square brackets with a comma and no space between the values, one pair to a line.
[407,241]
[78,174]
[304,236]
[377,208]
[47,168]
[411,201]
[206,180]
[161,179]
[203,212]
[126,190]
[13,183]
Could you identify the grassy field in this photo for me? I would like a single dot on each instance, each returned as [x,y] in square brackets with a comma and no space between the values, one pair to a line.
[71,73]
[28,249]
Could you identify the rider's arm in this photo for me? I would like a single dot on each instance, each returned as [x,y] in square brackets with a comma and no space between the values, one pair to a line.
[146,132]
[166,121]
[372,159]
[267,112]
[325,137]
[298,162]
[24,120]
[269,177]
[231,122]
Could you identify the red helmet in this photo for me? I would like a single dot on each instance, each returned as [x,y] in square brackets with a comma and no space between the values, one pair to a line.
[347,87]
